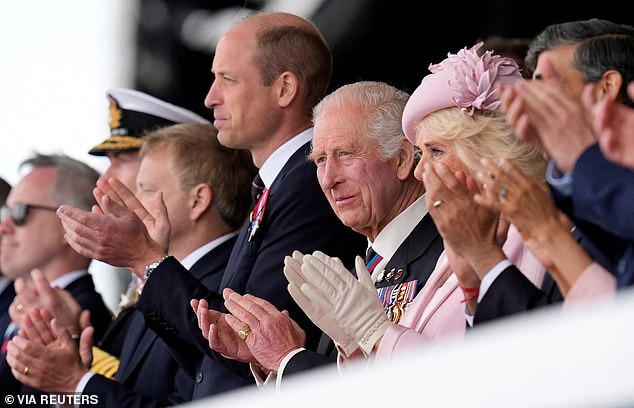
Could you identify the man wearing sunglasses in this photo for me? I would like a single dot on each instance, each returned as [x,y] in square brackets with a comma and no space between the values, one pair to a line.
[33,239]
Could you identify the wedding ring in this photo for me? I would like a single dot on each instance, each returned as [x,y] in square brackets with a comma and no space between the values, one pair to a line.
[19,307]
[437,203]
[26,370]
[502,193]
[243,334]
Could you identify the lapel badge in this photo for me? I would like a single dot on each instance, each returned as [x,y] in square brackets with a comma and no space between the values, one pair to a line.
[381,276]
[399,274]
[389,275]
[257,215]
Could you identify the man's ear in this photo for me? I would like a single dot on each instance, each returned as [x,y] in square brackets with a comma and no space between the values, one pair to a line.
[288,87]
[609,85]
[405,161]
[202,197]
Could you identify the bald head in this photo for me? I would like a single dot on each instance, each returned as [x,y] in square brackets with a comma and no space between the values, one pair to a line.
[277,19]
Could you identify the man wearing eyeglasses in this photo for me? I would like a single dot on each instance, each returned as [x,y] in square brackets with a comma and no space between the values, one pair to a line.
[33,239]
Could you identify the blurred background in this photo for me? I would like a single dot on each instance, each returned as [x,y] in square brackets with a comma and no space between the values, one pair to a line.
[59,58]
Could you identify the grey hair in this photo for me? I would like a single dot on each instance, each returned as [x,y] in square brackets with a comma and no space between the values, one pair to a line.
[384,105]
[75,179]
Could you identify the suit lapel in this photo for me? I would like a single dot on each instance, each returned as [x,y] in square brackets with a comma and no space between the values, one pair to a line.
[416,245]
[138,341]
[212,264]
[245,249]
[403,277]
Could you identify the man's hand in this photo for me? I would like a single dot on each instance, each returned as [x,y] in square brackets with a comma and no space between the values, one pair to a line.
[547,115]
[613,122]
[55,367]
[221,336]
[273,334]
[116,232]
[58,302]
[26,298]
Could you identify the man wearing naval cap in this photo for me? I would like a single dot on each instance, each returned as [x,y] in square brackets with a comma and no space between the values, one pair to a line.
[132,114]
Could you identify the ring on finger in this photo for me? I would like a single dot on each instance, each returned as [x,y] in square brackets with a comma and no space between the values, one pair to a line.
[19,307]
[26,370]
[437,203]
[243,334]
[502,193]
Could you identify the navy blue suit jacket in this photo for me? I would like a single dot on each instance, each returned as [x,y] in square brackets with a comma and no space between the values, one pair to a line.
[84,292]
[602,195]
[297,217]
[149,374]
[416,257]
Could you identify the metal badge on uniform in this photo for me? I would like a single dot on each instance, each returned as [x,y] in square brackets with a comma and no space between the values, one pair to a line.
[257,215]
[396,298]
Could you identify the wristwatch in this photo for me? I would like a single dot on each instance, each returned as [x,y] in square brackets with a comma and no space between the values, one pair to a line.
[148,271]
[150,268]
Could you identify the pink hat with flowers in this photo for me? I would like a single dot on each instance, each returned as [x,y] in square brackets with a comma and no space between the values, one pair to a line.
[465,80]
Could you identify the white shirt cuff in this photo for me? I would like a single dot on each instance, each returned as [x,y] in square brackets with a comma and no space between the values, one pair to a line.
[80,387]
[468,316]
[82,383]
[283,363]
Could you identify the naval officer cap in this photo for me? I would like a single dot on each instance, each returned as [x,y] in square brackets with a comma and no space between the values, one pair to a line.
[134,113]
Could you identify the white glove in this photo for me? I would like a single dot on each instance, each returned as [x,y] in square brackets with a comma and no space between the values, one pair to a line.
[353,303]
[292,271]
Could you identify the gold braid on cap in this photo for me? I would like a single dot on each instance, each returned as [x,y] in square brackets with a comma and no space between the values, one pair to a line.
[120,143]
[115,114]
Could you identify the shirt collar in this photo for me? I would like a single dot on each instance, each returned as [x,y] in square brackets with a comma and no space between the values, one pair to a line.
[276,161]
[195,256]
[396,231]
[68,278]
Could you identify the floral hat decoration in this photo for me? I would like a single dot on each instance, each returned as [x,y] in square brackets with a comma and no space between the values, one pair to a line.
[465,80]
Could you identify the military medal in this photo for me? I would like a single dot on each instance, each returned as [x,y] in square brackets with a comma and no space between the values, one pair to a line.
[396,298]
[257,215]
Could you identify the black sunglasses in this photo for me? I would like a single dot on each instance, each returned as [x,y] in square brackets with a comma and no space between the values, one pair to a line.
[20,211]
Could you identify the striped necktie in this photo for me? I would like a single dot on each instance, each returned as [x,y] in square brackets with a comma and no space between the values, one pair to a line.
[259,196]
[257,187]
[372,259]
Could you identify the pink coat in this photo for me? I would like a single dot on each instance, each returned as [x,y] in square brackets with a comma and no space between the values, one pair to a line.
[437,312]
[593,283]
